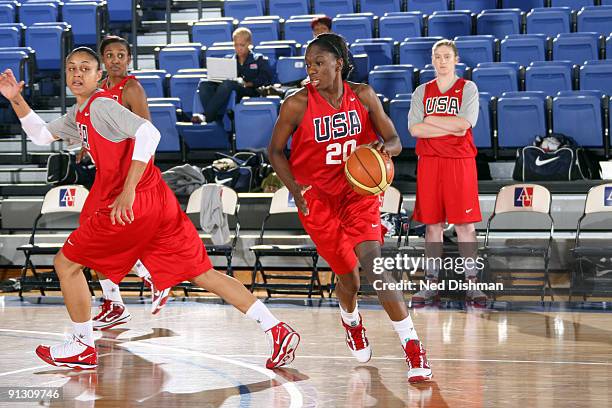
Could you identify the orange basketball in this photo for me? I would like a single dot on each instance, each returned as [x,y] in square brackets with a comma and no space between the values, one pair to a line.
[368,171]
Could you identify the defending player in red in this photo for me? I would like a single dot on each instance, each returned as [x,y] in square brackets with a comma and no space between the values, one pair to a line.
[328,119]
[116,55]
[138,216]
[442,115]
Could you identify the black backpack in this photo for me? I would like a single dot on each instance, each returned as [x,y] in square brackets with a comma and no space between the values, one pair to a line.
[62,169]
[568,162]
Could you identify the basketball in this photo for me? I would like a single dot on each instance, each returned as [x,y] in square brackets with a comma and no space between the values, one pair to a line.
[368,171]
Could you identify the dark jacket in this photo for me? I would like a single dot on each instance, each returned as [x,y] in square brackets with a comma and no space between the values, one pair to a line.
[256,70]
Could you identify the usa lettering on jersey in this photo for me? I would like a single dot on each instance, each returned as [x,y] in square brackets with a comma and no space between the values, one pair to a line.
[442,104]
[83,133]
[336,126]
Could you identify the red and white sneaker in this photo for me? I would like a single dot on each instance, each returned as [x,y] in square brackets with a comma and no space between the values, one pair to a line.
[158,297]
[283,342]
[357,341]
[111,314]
[416,357]
[72,353]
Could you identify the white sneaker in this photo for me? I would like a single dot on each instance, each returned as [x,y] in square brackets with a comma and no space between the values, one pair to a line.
[357,341]
[158,297]
[111,314]
[71,353]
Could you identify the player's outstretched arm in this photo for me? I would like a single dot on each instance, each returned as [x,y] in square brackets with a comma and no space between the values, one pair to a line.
[32,124]
[291,113]
[382,123]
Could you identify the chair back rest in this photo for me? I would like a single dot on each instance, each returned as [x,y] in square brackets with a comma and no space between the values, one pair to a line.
[69,198]
[523,198]
[229,200]
[599,199]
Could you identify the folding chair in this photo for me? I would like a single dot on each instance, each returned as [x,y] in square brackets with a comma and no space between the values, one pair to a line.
[522,198]
[598,201]
[283,203]
[67,200]
[230,203]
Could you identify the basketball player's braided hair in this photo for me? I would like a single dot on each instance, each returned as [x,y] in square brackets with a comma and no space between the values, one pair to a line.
[335,44]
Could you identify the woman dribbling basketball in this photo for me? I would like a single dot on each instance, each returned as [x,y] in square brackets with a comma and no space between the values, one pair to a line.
[328,119]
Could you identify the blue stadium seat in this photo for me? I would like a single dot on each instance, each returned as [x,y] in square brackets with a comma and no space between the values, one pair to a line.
[85,19]
[353,27]
[399,27]
[207,33]
[549,21]
[380,7]
[172,59]
[578,117]
[240,9]
[298,30]
[119,11]
[46,40]
[576,47]
[475,49]
[573,4]
[333,7]
[417,51]
[153,85]
[10,36]
[378,53]
[519,120]
[549,76]
[184,87]
[395,67]
[295,50]
[290,69]
[426,75]
[481,133]
[220,51]
[163,116]
[597,75]
[210,136]
[518,94]
[398,112]
[427,6]
[476,6]
[287,8]
[597,19]
[8,13]
[449,24]
[500,23]
[273,52]
[597,93]
[254,123]
[16,61]
[360,68]
[524,5]
[495,79]
[389,83]
[31,13]
[263,30]
[523,48]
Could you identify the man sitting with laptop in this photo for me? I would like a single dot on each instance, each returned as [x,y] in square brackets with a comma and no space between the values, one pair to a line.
[252,71]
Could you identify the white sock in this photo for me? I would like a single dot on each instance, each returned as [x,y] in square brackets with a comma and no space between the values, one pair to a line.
[350,318]
[141,270]
[405,330]
[84,331]
[111,291]
[262,315]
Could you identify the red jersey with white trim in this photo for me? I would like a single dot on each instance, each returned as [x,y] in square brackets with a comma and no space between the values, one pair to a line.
[326,137]
[437,103]
[117,90]
[112,157]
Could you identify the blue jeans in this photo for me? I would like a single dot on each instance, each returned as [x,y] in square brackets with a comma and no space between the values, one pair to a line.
[214,97]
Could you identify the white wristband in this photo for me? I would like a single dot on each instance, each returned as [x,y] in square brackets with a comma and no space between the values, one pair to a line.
[146,140]
[36,129]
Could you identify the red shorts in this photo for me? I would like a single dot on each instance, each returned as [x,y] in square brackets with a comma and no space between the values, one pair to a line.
[161,236]
[447,190]
[337,223]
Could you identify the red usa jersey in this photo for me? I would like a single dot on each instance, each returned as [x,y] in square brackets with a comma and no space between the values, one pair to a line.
[112,157]
[117,90]
[326,138]
[436,103]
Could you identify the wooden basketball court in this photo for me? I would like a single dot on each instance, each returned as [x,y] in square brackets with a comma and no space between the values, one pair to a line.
[204,354]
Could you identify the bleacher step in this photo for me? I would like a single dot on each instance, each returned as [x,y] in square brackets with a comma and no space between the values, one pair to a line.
[22,175]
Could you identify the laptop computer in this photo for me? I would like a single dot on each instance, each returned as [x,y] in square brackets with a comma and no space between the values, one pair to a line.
[221,69]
